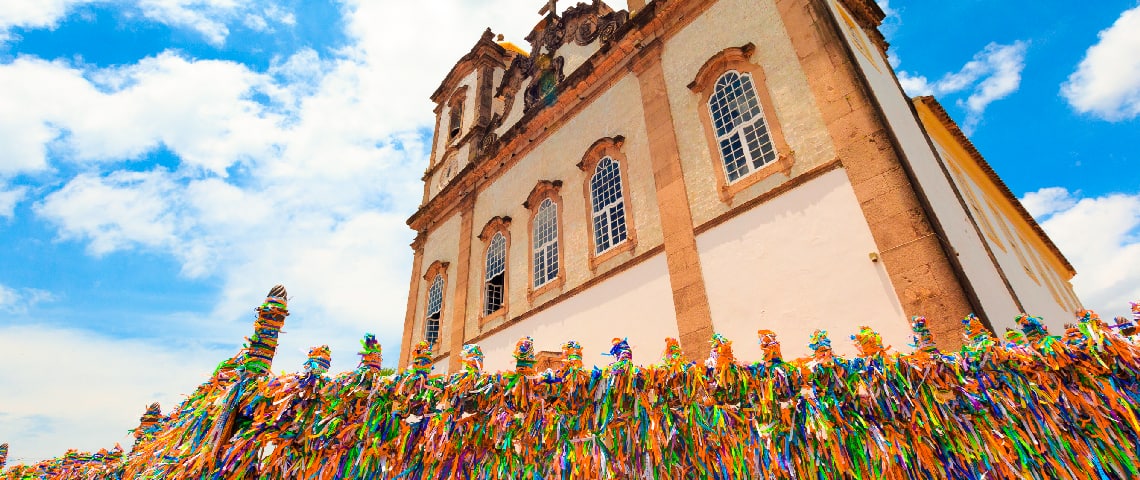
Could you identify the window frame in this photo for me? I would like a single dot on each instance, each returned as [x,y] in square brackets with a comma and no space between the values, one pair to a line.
[497,225]
[455,111]
[456,104]
[542,191]
[738,59]
[438,269]
[607,147]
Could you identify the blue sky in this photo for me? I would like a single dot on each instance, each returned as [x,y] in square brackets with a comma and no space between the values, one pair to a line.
[166,161]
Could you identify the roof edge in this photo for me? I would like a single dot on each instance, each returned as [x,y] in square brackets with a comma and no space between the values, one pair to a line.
[949,123]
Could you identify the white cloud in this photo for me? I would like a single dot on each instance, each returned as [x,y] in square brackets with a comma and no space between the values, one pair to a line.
[116,212]
[915,85]
[303,175]
[18,301]
[202,110]
[85,391]
[209,18]
[1048,201]
[34,13]
[891,21]
[1107,81]
[9,198]
[1101,237]
[994,73]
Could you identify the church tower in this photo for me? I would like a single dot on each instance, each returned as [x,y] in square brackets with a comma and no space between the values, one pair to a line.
[700,166]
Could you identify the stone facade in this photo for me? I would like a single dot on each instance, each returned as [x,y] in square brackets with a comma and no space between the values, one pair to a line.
[854,218]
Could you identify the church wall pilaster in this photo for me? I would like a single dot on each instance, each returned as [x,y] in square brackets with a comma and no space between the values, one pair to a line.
[911,245]
[690,299]
[410,313]
[457,322]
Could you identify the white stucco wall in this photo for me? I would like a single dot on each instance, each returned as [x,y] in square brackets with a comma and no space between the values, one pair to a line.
[441,139]
[960,231]
[636,303]
[510,118]
[575,55]
[616,112]
[442,245]
[1033,292]
[759,22]
[799,263]
[1009,249]
[989,287]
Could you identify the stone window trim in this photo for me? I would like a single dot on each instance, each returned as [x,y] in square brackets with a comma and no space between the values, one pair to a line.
[607,147]
[498,224]
[738,59]
[436,269]
[455,109]
[545,189]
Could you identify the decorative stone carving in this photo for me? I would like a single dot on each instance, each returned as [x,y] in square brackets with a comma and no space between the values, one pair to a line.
[543,88]
[582,24]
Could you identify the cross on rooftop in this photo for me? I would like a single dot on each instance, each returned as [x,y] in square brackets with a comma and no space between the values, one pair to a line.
[551,7]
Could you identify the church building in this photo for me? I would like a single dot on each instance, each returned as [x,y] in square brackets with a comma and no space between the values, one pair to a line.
[696,166]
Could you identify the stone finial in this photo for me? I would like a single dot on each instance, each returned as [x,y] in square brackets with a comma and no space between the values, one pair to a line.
[869,342]
[524,356]
[421,359]
[720,355]
[923,339]
[258,357]
[1032,327]
[673,356]
[1015,338]
[472,359]
[371,353]
[147,421]
[319,361]
[976,333]
[620,350]
[571,356]
[278,291]
[770,347]
[820,345]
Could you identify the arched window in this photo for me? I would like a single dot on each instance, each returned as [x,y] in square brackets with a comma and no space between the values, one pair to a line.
[434,308]
[455,119]
[545,243]
[495,279]
[741,132]
[608,205]
[455,113]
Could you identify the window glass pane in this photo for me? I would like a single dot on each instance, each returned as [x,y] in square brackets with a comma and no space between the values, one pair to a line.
[496,274]
[742,134]
[608,205]
[496,256]
[494,295]
[545,243]
[435,304]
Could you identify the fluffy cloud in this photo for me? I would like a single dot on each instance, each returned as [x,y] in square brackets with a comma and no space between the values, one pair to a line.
[18,301]
[302,174]
[209,18]
[1101,237]
[9,197]
[71,387]
[1107,81]
[994,73]
[34,13]
[201,110]
[1048,201]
